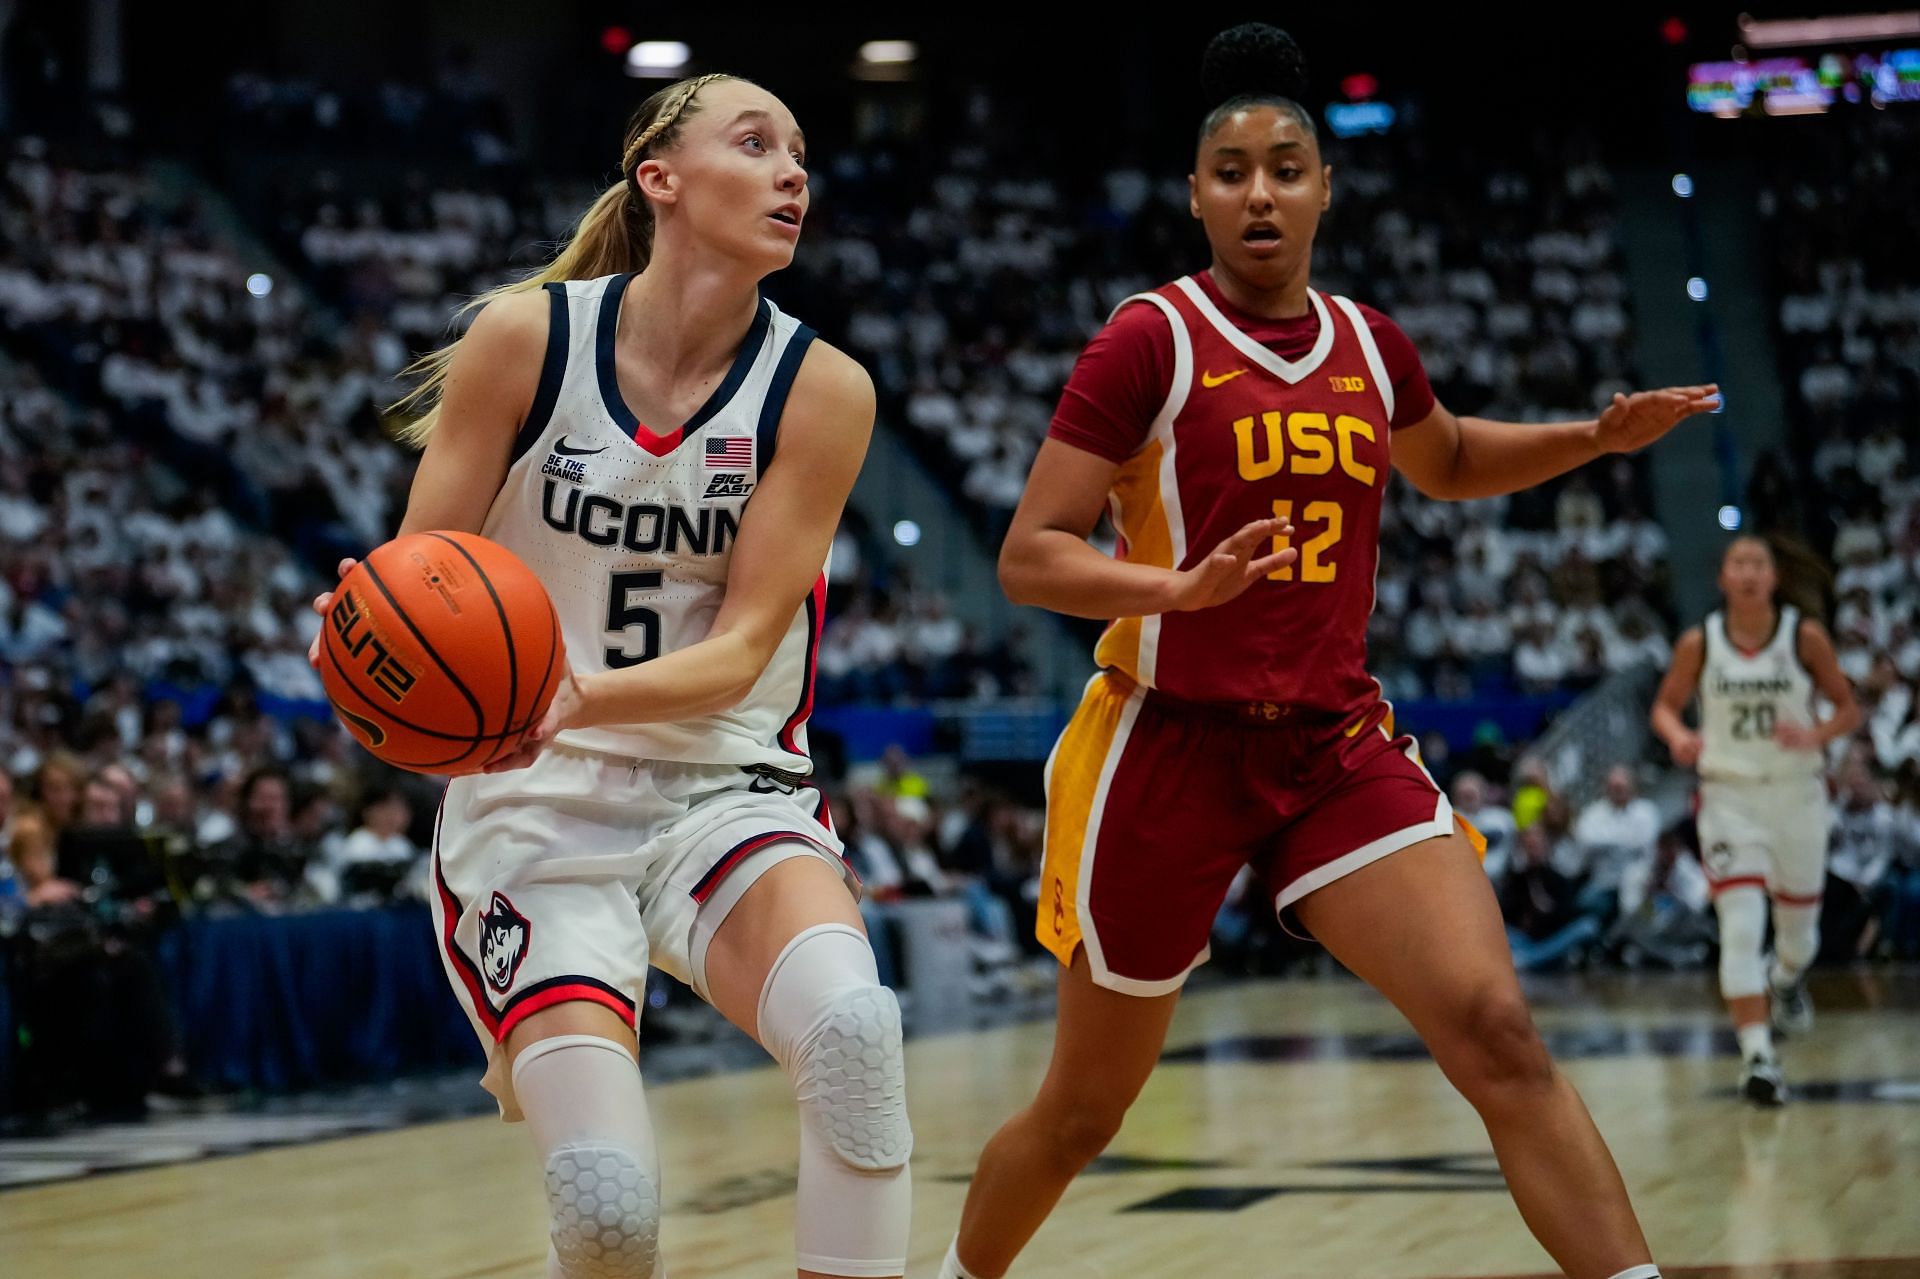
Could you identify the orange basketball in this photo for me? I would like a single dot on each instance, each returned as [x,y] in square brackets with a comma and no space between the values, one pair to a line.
[440,651]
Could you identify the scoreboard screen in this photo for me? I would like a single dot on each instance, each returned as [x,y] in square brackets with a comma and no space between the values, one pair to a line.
[1794,85]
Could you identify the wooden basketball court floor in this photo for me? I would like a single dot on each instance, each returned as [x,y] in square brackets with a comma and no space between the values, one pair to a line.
[1295,1129]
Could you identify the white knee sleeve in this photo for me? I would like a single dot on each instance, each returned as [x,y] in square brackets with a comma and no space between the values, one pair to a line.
[587,1113]
[1796,940]
[827,1019]
[1743,927]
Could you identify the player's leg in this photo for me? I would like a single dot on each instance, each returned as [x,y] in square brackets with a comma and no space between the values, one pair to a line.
[1104,1048]
[1446,966]
[788,961]
[1797,879]
[1144,839]
[577,1082]
[1734,843]
[542,939]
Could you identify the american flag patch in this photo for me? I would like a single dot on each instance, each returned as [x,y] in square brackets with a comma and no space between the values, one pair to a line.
[731,453]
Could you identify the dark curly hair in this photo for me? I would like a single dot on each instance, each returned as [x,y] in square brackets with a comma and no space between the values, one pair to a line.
[1254,65]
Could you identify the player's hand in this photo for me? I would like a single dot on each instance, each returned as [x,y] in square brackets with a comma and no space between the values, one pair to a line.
[1635,421]
[1685,749]
[1234,566]
[562,713]
[321,603]
[1796,737]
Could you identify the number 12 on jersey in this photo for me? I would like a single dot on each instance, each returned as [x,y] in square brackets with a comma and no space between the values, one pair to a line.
[1313,568]
[623,615]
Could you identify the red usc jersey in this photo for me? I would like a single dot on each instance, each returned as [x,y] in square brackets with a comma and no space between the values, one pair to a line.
[1246,434]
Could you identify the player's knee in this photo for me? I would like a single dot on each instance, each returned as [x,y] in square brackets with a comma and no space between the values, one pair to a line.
[1078,1129]
[825,1016]
[851,1077]
[1494,1054]
[605,1212]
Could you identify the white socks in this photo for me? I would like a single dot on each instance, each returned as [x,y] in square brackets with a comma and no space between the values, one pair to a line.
[1639,1272]
[952,1269]
[1755,1041]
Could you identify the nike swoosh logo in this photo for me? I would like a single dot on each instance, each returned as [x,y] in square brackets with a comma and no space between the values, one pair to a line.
[375,735]
[1209,381]
[562,449]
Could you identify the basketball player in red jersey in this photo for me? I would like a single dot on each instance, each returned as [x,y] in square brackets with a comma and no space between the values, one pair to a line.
[1239,427]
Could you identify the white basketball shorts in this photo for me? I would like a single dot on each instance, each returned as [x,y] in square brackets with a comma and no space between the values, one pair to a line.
[1770,834]
[564,880]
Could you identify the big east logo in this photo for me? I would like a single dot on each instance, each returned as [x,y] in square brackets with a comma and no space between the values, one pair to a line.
[358,640]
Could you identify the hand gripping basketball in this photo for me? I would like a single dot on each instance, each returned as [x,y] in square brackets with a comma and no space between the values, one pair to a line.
[441,653]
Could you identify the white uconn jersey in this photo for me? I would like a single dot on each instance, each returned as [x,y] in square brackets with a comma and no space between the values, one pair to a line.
[1744,698]
[632,531]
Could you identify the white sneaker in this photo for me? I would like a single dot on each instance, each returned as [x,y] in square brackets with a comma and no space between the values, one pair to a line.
[1762,1083]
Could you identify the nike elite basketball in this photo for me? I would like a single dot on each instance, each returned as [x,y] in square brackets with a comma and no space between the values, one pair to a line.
[440,651]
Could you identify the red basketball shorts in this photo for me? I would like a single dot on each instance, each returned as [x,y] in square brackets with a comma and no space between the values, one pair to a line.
[1154,806]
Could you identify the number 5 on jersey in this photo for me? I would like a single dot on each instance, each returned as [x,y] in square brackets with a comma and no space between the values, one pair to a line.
[623,614]
[1313,567]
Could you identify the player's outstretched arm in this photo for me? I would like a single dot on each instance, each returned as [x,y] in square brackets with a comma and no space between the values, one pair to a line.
[1676,690]
[782,546]
[1461,458]
[1046,560]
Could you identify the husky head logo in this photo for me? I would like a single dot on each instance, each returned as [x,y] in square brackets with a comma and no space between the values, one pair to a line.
[503,942]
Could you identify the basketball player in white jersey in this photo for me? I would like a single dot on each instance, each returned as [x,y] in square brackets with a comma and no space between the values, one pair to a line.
[1756,665]
[670,454]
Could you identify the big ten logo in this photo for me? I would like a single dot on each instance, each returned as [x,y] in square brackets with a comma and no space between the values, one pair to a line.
[1303,444]
[358,639]
[1347,383]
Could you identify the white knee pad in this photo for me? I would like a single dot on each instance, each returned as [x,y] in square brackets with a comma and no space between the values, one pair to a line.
[606,1213]
[1743,928]
[825,1016]
[1796,940]
[587,1113]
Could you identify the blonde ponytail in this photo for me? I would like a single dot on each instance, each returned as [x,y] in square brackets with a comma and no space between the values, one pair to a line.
[614,235]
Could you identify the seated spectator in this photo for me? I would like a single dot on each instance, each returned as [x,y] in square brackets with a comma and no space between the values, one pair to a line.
[1664,917]
[1615,832]
[98,1027]
[1860,858]
[376,862]
[1541,907]
[265,862]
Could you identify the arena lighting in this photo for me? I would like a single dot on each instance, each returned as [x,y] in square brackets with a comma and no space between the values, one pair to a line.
[259,284]
[886,60]
[1673,31]
[1853,28]
[658,59]
[1359,87]
[881,52]
[906,533]
[1683,186]
[616,40]
[1730,518]
[1697,289]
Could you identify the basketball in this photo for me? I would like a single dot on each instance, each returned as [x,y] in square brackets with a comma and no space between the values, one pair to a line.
[440,651]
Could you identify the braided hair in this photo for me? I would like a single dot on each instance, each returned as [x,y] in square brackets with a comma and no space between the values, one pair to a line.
[1254,65]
